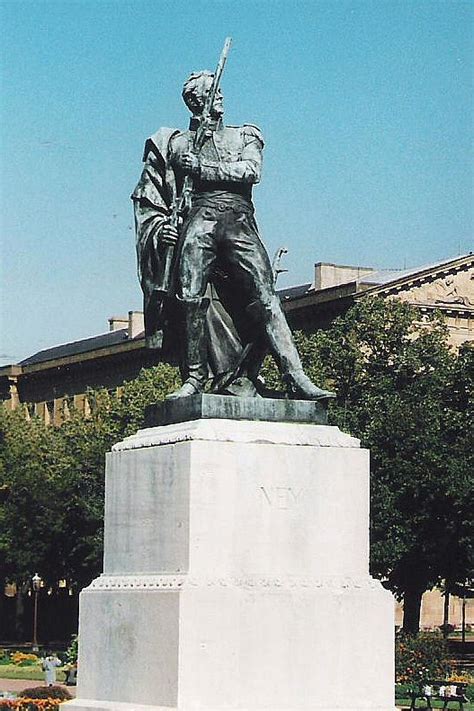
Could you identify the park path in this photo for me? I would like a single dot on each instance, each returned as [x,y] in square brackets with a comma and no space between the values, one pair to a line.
[17,685]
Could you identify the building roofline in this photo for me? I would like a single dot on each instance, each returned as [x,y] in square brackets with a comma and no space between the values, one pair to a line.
[344,266]
[416,274]
[113,349]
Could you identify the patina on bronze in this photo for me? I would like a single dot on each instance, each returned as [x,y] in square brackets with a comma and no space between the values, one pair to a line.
[218,313]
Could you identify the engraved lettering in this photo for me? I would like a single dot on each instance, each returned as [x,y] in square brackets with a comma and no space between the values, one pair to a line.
[264,492]
[296,494]
[281,497]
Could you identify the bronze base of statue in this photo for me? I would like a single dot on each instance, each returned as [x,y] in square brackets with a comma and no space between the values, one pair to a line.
[209,406]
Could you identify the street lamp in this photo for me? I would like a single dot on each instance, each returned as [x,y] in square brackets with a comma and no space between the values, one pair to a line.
[36,580]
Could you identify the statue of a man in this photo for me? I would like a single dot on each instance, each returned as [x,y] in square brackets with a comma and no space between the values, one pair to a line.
[223,312]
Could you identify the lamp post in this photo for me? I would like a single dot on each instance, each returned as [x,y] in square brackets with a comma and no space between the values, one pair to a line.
[36,580]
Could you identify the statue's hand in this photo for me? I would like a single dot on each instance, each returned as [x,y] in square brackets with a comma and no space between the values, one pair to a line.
[168,235]
[190,163]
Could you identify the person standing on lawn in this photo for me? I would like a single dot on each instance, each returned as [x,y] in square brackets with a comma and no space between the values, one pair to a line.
[49,665]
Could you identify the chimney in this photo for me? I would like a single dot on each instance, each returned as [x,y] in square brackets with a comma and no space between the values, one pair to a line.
[117,323]
[327,275]
[136,323]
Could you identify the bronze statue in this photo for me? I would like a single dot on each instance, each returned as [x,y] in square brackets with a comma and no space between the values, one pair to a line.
[210,301]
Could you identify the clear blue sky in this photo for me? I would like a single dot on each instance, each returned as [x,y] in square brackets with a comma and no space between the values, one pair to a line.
[366,107]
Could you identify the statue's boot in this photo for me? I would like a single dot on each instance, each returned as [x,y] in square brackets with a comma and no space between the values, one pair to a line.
[301,387]
[282,346]
[195,366]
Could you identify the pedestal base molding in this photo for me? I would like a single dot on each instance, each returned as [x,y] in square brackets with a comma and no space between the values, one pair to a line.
[181,582]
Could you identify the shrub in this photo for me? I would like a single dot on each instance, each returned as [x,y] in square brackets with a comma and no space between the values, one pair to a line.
[72,651]
[447,628]
[47,692]
[24,659]
[422,658]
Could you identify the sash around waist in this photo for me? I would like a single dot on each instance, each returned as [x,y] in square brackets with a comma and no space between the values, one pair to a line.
[222,200]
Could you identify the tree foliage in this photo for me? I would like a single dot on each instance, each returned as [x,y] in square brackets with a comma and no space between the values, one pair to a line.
[52,481]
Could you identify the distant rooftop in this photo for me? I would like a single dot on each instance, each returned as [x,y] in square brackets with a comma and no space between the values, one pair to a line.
[122,329]
[385,276]
[293,292]
[105,340]
[328,275]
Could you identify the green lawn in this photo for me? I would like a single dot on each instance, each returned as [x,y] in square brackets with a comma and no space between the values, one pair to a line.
[405,703]
[33,672]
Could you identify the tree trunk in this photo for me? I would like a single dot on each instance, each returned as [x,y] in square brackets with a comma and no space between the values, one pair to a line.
[446,610]
[463,625]
[412,610]
[19,610]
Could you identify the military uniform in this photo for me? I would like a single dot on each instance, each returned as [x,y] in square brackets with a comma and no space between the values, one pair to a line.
[220,228]
[219,244]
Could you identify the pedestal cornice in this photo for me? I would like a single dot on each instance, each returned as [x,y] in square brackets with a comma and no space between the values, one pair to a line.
[239,431]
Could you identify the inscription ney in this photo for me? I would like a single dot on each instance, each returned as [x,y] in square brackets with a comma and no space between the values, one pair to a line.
[281,497]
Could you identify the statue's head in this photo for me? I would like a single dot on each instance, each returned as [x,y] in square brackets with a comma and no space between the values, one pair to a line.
[195,91]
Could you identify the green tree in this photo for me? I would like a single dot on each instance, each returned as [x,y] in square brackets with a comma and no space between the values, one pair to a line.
[458,435]
[30,482]
[52,482]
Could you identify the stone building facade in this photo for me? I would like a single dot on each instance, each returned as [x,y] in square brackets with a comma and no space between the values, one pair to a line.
[446,286]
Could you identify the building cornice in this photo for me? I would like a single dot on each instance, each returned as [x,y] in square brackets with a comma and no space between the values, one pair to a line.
[419,278]
[11,371]
[320,296]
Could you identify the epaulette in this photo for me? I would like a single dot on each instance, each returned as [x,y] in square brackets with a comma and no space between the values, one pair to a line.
[252,130]
[179,133]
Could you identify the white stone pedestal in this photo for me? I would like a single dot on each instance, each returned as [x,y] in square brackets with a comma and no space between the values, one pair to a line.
[236,575]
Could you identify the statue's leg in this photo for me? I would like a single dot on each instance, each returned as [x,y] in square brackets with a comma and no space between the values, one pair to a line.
[250,261]
[194,356]
[197,257]
[269,313]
